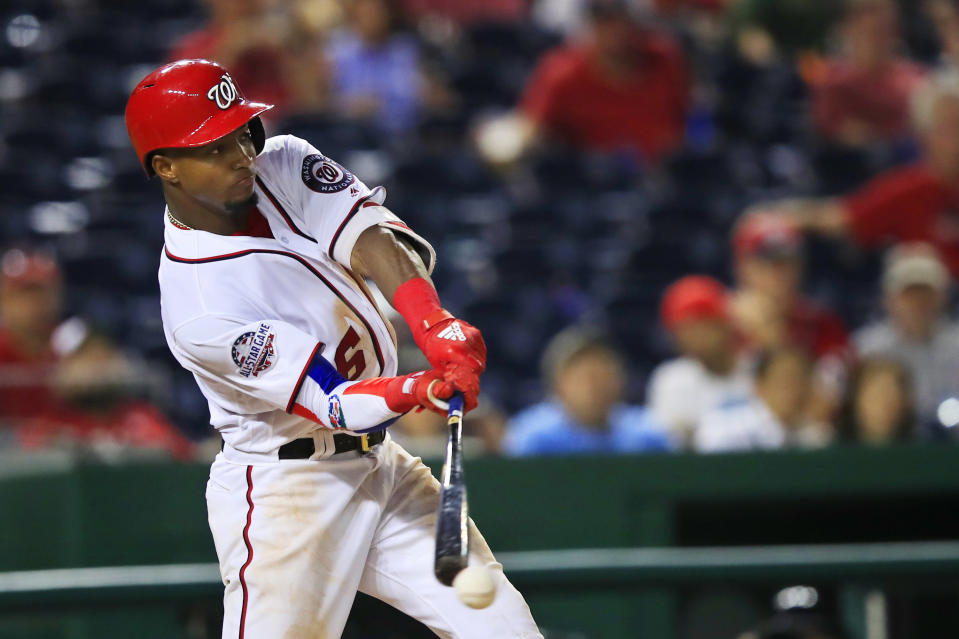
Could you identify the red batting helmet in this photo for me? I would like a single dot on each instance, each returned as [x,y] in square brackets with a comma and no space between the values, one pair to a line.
[186,104]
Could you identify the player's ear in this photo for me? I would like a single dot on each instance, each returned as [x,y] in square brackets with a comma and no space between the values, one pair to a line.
[164,167]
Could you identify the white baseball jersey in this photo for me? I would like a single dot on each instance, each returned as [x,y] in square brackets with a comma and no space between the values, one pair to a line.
[248,314]
[273,324]
[682,390]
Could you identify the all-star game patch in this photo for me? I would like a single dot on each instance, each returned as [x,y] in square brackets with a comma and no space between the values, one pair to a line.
[254,352]
[323,175]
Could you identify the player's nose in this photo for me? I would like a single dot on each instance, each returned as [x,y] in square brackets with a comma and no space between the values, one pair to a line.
[244,155]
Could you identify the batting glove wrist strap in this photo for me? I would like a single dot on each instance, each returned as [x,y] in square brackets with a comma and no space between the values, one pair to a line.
[417,301]
[450,345]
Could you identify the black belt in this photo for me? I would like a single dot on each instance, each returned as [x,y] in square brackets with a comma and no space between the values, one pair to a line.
[304,448]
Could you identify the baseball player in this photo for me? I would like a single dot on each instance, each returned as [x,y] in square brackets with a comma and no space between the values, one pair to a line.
[267,247]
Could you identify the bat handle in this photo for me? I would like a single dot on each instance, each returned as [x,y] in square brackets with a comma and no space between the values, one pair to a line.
[456,403]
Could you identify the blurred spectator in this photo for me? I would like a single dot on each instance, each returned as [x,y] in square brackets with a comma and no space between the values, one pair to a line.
[670,6]
[375,72]
[767,29]
[98,410]
[31,300]
[259,42]
[862,96]
[878,408]
[586,413]
[466,12]
[624,87]
[774,417]
[916,331]
[58,382]
[944,16]
[708,371]
[911,204]
[768,306]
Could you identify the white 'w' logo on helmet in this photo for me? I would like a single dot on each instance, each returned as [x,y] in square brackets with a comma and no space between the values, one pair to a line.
[224,92]
[453,332]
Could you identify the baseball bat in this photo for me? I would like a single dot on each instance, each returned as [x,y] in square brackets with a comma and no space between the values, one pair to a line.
[452,533]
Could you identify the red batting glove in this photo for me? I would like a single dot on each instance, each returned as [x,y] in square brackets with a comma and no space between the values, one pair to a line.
[407,392]
[451,345]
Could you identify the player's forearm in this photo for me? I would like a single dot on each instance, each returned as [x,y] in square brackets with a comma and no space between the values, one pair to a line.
[450,345]
[328,399]
[387,259]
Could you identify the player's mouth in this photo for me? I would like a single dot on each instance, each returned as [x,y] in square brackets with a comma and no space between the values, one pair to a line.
[246,182]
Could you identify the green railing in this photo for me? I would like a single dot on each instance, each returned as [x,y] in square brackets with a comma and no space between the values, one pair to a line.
[652,530]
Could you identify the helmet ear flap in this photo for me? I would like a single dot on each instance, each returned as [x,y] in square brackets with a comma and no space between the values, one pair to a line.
[258,134]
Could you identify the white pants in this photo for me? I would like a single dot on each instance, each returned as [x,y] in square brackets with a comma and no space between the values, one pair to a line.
[297,538]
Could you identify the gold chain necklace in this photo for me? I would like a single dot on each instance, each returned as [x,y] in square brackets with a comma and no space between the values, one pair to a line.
[177,223]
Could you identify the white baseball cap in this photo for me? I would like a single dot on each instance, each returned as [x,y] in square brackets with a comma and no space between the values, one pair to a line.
[914,264]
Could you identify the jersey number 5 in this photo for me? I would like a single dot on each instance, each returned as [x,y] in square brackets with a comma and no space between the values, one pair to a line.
[350,368]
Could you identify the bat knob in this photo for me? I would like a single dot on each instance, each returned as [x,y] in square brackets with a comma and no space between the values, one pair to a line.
[446,568]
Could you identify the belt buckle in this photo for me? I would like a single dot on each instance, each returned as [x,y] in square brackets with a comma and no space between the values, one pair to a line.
[365,444]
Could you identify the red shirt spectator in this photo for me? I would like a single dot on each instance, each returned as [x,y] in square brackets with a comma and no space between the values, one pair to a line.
[907,204]
[30,305]
[131,424]
[259,70]
[574,96]
[24,380]
[863,96]
[259,47]
[769,307]
[874,100]
[816,329]
[669,6]
[466,12]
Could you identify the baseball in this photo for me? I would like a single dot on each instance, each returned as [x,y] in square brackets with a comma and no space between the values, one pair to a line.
[475,587]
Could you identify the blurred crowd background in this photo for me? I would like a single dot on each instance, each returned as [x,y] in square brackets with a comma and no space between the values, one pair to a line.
[705,225]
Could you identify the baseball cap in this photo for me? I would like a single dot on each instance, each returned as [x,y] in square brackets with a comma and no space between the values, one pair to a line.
[766,235]
[693,297]
[914,264]
[22,267]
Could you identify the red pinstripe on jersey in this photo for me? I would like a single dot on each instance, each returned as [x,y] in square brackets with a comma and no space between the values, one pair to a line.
[249,549]
[291,405]
[237,254]
[279,209]
[349,216]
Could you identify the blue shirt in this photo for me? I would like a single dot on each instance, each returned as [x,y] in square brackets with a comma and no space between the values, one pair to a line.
[546,429]
[389,72]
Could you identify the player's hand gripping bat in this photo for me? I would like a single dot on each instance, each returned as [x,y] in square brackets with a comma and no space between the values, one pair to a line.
[452,536]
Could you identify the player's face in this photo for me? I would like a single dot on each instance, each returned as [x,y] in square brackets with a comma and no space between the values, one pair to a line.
[220,174]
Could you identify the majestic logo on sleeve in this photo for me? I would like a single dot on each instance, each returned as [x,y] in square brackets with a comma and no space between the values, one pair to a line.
[323,175]
[337,418]
[254,352]
[224,92]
